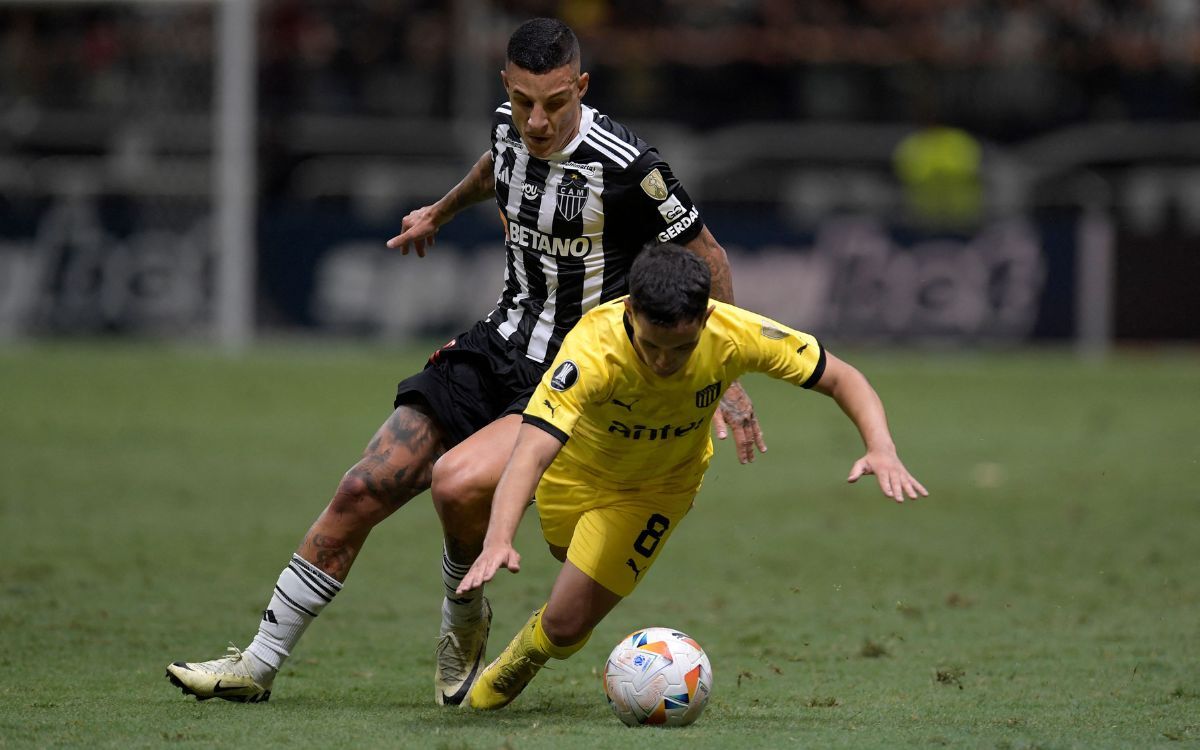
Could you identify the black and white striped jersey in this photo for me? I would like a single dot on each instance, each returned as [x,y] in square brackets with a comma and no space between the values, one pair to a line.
[574,223]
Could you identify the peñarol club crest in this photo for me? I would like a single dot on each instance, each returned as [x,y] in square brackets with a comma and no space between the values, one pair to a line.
[572,194]
[708,394]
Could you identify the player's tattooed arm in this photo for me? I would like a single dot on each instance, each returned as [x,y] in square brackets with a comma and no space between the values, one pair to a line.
[477,186]
[711,252]
[418,229]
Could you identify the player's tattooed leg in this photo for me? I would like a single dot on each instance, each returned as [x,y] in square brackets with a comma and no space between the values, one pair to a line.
[398,462]
[333,555]
[396,466]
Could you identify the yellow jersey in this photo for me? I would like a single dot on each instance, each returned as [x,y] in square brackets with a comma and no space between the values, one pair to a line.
[625,428]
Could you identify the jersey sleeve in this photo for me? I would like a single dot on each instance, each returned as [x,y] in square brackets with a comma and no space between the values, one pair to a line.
[655,205]
[501,115]
[783,353]
[575,379]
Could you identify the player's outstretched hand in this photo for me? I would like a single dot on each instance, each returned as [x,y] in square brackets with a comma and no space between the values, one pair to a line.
[894,479]
[738,413]
[489,561]
[417,231]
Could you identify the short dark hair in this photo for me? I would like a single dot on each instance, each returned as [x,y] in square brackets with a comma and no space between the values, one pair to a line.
[542,44]
[669,285]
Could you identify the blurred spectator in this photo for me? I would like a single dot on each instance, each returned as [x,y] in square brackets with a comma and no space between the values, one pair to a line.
[1003,70]
[1029,64]
[939,168]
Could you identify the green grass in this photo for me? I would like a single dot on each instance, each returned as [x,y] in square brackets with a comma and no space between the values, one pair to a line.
[1047,595]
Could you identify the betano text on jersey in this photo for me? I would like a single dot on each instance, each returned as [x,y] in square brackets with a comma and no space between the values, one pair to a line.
[574,223]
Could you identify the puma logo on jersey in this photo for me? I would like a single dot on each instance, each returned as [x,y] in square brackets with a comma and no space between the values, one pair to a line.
[623,405]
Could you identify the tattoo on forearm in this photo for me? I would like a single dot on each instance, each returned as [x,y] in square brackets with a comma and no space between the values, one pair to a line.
[706,246]
[722,280]
[475,187]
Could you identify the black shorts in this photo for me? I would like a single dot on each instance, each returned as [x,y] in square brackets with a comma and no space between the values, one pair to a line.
[472,381]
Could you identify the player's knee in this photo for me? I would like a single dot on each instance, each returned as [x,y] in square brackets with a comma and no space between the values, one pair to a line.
[361,498]
[353,498]
[459,486]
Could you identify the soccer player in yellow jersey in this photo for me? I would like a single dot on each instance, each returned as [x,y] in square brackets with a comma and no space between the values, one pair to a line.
[615,443]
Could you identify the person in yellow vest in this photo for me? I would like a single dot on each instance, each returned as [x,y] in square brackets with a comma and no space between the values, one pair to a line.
[614,444]
[939,167]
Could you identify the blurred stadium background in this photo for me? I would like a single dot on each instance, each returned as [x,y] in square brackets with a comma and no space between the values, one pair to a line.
[952,172]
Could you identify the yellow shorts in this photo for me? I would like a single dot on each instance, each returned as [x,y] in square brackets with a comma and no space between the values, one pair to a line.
[612,536]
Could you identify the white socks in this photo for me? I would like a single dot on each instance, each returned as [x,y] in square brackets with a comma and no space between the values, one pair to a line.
[303,590]
[458,609]
[301,593]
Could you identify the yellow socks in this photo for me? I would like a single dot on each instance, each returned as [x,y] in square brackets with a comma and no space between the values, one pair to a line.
[542,644]
[522,658]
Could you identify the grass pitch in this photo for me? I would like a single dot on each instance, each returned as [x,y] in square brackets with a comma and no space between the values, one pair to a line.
[1047,595]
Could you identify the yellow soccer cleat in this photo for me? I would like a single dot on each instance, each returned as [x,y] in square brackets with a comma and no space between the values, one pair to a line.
[507,676]
[503,681]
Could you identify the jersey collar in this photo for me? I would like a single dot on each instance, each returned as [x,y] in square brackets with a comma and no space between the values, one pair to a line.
[585,124]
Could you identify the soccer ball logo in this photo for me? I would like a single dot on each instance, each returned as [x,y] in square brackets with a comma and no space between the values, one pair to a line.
[658,676]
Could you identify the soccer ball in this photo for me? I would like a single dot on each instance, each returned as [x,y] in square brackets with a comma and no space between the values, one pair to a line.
[658,676]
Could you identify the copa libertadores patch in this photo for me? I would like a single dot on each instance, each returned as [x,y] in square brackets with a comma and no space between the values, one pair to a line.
[564,376]
[655,186]
[769,331]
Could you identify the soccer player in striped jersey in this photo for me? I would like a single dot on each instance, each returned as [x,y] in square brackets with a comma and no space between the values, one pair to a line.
[615,444]
[579,196]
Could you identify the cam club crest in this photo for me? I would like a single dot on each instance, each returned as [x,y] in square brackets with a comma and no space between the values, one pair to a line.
[564,376]
[572,194]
